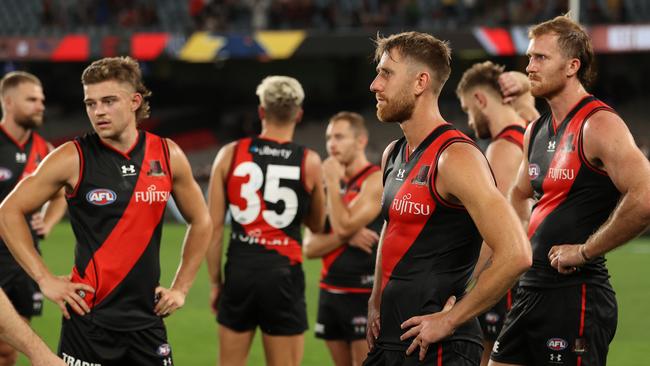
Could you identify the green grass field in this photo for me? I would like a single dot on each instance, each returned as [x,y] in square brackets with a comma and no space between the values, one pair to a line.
[192,330]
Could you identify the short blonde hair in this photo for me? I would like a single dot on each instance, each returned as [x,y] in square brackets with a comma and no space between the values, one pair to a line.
[281,97]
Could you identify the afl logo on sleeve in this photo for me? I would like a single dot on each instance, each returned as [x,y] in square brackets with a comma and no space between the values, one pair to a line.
[101,197]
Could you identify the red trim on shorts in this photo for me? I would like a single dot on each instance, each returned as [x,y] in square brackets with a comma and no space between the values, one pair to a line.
[347,290]
[509,300]
[583,308]
[439,354]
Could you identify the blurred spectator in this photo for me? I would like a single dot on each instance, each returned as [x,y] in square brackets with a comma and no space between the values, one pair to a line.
[247,15]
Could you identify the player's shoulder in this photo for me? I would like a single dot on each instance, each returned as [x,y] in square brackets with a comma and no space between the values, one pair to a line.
[312,157]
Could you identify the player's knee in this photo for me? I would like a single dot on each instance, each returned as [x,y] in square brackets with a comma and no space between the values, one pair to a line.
[8,355]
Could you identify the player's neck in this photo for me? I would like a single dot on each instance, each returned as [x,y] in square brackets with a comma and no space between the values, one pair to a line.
[358,164]
[278,132]
[17,132]
[421,124]
[503,117]
[562,103]
[124,142]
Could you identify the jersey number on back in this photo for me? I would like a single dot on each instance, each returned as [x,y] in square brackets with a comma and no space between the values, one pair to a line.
[273,193]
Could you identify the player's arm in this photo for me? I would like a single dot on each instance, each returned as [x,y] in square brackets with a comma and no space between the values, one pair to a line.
[59,169]
[464,176]
[521,193]
[608,145]
[315,245]
[217,207]
[191,204]
[315,219]
[42,222]
[374,302]
[346,220]
[504,158]
[16,332]
[515,88]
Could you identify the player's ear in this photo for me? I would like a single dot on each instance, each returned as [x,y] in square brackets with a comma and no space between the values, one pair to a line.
[423,82]
[480,98]
[299,115]
[572,67]
[362,140]
[136,101]
[261,112]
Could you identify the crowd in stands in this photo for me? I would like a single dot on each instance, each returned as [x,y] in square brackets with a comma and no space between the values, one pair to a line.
[116,13]
[315,15]
[224,15]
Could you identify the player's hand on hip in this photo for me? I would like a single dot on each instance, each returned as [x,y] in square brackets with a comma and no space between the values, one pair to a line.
[62,291]
[428,329]
[374,324]
[168,301]
[215,292]
[566,258]
[364,239]
[37,223]
[47,360]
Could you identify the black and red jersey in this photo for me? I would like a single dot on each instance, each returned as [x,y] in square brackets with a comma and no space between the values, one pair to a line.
[574,198]
[348,269]
[116,212]
[267,200]
[430,245]
[16,162]
[512,133]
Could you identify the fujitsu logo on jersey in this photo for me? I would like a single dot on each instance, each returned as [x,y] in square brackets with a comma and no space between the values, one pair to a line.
[561,174]
[267,150]
[101,197]
[255,237]
[405,205]
[151,195]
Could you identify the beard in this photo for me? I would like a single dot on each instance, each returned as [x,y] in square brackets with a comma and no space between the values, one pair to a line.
[481,126]
[549,87]
[30,122]
[397,111]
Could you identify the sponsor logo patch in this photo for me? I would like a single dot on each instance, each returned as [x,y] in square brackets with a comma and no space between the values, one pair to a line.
[155,169]
[5,174]
[270,151]
[533,171]
[557,344]
[492,317]
[101,197]
[128,170]
[164,350]
[422,177]
[404,205]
